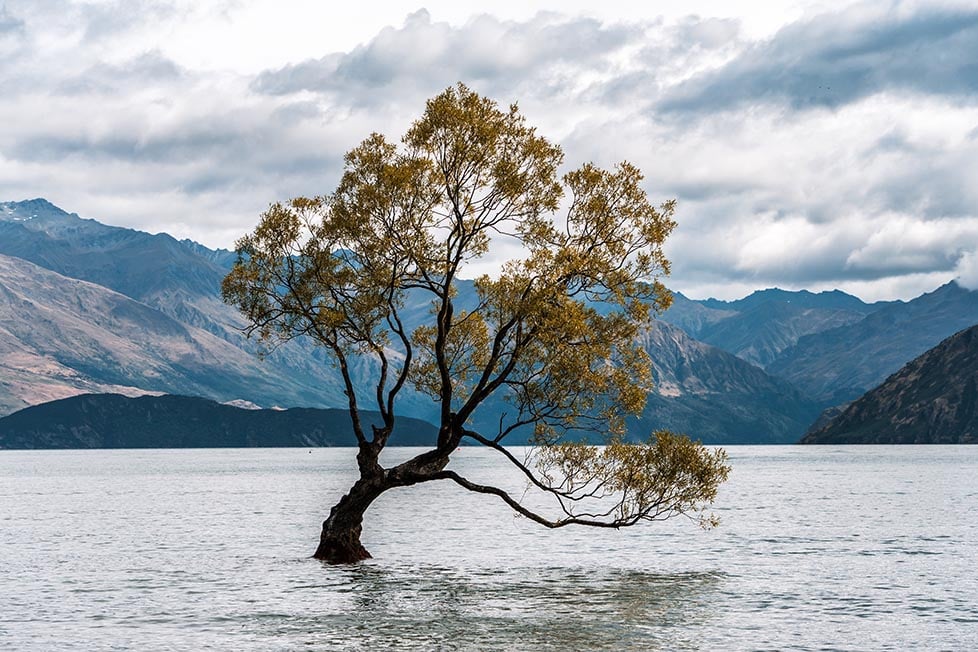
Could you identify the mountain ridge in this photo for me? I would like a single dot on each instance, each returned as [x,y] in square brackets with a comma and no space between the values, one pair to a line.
[760,326]
[162,273]
[933,399]
[840,364]
[60,336]
[700,389]
[803,298]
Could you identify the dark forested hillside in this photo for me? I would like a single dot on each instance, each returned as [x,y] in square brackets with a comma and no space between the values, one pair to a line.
[113,421]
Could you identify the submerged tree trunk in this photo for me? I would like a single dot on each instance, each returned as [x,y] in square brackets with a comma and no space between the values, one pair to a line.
[339,542]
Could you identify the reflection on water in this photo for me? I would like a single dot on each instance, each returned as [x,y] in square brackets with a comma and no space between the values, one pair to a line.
[819,548]
[376,607]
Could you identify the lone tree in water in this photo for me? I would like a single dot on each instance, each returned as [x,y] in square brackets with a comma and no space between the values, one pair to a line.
[554,333]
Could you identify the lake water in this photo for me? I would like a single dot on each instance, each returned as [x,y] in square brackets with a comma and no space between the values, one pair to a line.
[849,548]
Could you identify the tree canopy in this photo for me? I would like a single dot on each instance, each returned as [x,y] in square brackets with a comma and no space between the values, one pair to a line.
[552,332]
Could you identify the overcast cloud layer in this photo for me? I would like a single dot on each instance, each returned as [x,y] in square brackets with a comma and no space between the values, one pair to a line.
[836,151]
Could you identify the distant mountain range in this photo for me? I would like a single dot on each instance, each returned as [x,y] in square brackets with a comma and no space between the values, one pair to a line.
[830,345]
[114,421]
[760,333]
[760,326]
[715,396]
[931,400]
[101,308]
[840,364]
[86,307]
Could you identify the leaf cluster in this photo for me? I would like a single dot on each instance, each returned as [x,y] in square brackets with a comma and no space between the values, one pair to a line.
[670,475]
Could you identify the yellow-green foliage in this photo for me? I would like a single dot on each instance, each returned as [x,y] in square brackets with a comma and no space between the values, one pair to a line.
[668,476]
[554,331]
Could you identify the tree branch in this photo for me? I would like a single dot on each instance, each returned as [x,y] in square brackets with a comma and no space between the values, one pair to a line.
[521,509]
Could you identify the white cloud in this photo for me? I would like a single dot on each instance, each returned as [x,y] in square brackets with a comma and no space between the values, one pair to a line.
[192,117]
[966,271]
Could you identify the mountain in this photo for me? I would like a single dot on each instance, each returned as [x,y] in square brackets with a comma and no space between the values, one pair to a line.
[832,299]
[841,364]
[760,326]
[223,258]
[114,421]
[716,397]
[180,338]
[137,264]
[931,400]
[179,279]
[60,336]
[693,316]
[759,334]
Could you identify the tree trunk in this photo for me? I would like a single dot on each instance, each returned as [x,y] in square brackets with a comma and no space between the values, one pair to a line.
[339,542]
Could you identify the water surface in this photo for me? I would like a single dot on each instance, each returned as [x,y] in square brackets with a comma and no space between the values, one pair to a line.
[846,548]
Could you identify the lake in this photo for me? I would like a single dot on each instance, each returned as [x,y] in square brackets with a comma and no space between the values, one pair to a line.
[848,548]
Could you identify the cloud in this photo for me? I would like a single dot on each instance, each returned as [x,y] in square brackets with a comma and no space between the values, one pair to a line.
[9,23]
[966,271]
[11,35]
[424,56]
[897,245]
[871,188]
[839,58]
[145,143]
[147,69]
[111,18]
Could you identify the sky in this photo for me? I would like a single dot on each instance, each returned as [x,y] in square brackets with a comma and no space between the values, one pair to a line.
[810,145]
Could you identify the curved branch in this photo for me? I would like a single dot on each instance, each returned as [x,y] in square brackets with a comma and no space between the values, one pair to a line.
[531,477]
[521,509]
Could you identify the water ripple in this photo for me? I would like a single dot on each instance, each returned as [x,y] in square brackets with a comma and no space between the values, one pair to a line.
[864,548]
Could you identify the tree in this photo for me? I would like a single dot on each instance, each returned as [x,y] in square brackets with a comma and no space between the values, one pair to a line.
[553,333]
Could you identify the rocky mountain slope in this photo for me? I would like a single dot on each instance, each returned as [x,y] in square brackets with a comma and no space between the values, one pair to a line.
[181,280]
[931,400]
[693,316]
[761,333]
[60,336]
[715,396]
[114,421]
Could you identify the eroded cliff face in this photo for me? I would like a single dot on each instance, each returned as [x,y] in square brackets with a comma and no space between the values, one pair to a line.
[931,400]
